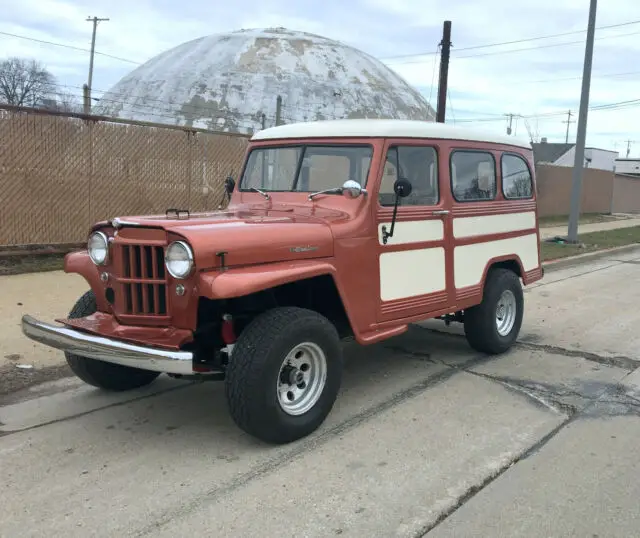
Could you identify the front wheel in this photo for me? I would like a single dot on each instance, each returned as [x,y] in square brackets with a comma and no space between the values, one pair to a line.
[284,374]
[493,325]
[104,375]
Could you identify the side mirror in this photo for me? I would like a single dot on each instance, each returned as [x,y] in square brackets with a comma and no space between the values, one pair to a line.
[352,189]
[402,187]
[229,185]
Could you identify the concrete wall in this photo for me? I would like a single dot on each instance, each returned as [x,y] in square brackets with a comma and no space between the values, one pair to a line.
[626,194]
[554,190]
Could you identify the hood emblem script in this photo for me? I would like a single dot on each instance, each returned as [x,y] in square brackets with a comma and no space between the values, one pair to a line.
[303,249]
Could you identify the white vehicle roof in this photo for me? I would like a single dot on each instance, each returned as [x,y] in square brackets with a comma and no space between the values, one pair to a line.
[384,128]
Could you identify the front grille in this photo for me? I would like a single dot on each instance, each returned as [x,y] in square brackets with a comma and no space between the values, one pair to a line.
[144,280]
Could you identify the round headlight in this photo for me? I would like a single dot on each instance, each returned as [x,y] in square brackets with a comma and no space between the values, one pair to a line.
[98,247]
[179,259]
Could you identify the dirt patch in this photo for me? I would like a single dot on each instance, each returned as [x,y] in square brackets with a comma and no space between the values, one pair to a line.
[13,379]
[31,263]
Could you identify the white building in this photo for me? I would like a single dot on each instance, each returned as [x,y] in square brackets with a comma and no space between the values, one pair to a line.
[628,167]
[560,154]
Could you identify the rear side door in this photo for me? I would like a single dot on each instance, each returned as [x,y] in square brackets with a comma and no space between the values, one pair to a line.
[415,264]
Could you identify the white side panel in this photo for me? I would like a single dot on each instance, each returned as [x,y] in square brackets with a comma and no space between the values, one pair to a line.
[411,273]
[493,224]
[413,231]
[470,260]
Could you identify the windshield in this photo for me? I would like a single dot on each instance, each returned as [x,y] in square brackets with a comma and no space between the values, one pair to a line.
[308,168]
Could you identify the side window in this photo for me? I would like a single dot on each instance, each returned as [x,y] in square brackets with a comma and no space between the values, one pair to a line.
[516,177]
[418,164]
[473,176]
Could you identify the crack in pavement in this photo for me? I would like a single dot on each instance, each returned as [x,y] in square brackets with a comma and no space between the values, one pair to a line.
[632,262]
[310,443]
[4,433]
[578,414]
[619,361]
[611,400]
[472,491]
[574,275]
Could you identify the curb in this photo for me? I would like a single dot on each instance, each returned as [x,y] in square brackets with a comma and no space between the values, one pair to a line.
[570,261]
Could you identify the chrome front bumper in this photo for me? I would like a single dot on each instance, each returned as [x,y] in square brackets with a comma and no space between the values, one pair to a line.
[107,349]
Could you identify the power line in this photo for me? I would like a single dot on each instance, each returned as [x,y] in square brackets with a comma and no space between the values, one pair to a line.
[524,40]
[565,79]
[550,46]
[68,47]
[630,103]
[146,103]
[524,49]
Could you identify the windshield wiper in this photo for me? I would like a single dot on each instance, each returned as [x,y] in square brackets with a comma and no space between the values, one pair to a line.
[335,190]
[260,192]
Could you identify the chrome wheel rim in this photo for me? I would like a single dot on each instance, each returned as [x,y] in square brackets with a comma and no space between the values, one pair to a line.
[506,312]
[302,378]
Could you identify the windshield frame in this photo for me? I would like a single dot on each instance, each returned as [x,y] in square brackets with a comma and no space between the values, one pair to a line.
[304,145]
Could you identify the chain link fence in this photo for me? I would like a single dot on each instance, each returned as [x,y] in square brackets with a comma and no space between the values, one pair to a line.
[61,173]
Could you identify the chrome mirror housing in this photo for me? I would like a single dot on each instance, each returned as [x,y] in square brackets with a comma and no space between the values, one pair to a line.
[352,189]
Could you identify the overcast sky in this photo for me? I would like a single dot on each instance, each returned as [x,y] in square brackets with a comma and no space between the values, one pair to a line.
[537,77]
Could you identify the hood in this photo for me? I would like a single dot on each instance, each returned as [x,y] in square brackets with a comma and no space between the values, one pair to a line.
[249,236]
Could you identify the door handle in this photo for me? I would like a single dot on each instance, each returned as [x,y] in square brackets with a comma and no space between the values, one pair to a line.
[439,212]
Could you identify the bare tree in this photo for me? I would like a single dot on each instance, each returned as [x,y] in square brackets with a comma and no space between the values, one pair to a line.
[64,102]
[534,133]
[24,82]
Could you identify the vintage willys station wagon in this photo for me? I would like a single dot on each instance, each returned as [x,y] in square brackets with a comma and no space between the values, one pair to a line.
[334,229]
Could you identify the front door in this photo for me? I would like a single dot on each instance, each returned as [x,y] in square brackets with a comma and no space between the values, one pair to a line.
[415,263]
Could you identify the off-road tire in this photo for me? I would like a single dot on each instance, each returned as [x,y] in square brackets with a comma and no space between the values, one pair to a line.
[480,320]
[104,375]
[254,366]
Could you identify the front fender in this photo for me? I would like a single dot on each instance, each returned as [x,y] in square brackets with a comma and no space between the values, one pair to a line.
[80,263]
[241,281]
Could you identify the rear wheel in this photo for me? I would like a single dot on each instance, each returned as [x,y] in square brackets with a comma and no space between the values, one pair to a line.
[493,325]
[104,375]
[284,374]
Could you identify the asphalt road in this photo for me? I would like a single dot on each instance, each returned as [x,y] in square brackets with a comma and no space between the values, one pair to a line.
[427,438]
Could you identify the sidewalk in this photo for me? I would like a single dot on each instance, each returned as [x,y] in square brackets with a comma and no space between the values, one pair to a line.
[561,231]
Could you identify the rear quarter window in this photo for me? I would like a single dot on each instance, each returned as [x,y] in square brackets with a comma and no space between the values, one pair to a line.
[516,177]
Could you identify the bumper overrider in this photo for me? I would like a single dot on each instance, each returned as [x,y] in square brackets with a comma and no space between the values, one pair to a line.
[108,349]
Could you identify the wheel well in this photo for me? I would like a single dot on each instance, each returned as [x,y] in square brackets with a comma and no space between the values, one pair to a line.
[317,293]
[511,265]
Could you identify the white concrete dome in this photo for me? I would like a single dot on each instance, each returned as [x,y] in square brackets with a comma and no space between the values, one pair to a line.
[228,81]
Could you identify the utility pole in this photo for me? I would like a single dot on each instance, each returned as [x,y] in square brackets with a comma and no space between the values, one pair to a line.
[568,121]
[510,116]
[628,148]
[95,20]
[279,110]
[445,47]
[578,164]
